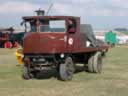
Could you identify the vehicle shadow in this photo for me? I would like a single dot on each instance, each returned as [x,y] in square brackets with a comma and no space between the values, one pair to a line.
[80,68]
[52,73]
[47,74]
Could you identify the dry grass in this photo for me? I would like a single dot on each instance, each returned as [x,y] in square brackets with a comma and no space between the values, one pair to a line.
[112,82]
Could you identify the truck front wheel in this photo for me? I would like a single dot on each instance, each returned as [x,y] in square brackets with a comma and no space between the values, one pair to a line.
[66,70]
[25,73]
[95,63]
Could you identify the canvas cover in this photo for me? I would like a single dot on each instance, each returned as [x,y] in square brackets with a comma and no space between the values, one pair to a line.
[87,31]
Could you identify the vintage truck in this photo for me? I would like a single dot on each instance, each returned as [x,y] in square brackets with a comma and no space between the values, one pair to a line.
[5,34]
[59,42]
[10,39]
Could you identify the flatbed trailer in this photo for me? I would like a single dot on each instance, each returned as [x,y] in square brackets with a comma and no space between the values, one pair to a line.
[85,50]
[60,42]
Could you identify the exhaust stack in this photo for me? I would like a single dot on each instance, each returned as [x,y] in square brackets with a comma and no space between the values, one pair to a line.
[40,12]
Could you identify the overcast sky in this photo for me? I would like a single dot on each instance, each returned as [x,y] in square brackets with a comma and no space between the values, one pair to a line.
[102,14]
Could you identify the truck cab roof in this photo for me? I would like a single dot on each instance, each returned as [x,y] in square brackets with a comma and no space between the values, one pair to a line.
[50,17]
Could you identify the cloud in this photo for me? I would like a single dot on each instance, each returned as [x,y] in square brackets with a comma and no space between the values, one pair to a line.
[68,7]
[13,10]
[119,3]
[17,7]
[92,7]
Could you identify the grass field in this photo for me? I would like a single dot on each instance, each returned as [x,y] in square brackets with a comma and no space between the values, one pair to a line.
[113,81]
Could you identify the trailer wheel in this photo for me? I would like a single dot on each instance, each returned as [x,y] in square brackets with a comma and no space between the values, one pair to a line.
[25,73]
[95,63]
[67,69]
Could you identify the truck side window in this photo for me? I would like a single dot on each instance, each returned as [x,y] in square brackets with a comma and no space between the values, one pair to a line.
[44,26]
[52,25]
[57,26]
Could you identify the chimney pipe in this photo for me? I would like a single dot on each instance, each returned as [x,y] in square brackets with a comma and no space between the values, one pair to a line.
[40,12]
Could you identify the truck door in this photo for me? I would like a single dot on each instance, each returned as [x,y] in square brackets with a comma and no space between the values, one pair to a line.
[71,29]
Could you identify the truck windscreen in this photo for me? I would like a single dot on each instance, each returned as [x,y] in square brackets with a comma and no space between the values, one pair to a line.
[52,26]
[33,27]
[30,26]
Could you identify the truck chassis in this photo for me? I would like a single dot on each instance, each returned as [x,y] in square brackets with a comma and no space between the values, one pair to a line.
[64,63]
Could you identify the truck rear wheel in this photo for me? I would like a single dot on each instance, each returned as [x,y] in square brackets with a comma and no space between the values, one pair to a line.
[95,63]
[66,70]
[25,73]
[90,64]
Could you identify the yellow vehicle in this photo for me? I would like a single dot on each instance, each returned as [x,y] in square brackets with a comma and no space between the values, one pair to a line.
[19,55]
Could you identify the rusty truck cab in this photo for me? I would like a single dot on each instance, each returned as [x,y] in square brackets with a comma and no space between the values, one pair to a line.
[50,34]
